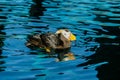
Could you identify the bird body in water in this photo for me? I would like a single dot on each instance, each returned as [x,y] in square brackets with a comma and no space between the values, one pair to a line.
[59,42]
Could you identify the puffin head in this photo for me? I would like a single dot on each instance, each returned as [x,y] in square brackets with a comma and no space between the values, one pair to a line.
[67,34]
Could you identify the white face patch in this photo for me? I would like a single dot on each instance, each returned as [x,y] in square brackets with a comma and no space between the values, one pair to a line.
[66,34]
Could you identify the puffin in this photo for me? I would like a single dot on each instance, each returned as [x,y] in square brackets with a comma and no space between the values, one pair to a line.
[58,42]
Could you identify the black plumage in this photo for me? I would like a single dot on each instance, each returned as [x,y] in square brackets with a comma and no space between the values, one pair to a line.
[51,43]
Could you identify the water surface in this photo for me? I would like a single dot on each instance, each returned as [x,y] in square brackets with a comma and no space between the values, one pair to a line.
[94,22]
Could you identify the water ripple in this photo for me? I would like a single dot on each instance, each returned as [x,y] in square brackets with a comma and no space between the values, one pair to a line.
[94,22]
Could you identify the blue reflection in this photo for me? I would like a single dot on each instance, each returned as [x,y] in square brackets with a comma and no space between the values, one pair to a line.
[94,22]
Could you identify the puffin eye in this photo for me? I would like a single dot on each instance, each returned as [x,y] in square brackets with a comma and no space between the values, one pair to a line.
[66,30]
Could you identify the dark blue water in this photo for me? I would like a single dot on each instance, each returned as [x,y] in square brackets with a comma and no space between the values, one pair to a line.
[96,23]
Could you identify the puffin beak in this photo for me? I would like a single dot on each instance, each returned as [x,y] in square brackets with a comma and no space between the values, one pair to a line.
[72,37]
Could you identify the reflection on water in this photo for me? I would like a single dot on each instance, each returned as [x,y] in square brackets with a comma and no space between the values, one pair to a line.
[36,9]
[1,44]
[105,53]
[2,34]
[109,48]
[94,22]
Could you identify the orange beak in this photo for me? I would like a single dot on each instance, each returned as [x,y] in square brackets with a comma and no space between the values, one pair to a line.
[72,37]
